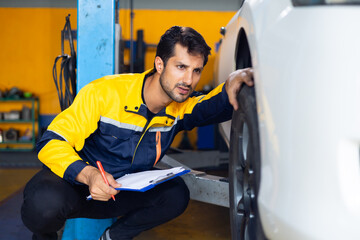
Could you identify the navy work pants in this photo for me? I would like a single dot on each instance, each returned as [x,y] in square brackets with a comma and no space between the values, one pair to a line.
[49,201]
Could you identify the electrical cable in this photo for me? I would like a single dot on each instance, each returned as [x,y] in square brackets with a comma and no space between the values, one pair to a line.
[66,83]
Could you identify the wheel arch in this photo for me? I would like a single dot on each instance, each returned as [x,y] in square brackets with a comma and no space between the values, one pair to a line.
[242,52]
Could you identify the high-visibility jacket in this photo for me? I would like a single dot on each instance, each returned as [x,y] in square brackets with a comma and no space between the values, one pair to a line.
[108,122]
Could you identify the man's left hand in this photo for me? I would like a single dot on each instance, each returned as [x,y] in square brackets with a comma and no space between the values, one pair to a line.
[234,82]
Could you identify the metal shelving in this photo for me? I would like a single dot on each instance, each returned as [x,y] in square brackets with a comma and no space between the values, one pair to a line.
[21,145]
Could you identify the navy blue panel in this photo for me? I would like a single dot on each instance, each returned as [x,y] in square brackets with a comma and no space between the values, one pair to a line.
[113,146]
[114,131]
[73,170]
[214,110]
[196,94]
[46,137]
[206,137]
[46,119]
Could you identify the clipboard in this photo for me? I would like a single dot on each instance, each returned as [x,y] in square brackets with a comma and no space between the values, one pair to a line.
[143,181]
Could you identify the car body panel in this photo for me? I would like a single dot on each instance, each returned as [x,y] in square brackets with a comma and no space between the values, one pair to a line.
[307,81]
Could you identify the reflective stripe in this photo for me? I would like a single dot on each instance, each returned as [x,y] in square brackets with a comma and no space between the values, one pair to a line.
[165,128]
[58,134]
[120,124]
[201,98]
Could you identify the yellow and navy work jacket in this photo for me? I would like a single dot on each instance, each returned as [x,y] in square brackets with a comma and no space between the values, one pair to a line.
[108,122]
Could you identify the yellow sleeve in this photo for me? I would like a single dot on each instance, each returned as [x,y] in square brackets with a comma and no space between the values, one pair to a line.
[68,131]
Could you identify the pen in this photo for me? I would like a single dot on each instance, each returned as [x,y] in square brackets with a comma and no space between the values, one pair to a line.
[103,175]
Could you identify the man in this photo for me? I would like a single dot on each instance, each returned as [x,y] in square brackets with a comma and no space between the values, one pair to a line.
[127,122]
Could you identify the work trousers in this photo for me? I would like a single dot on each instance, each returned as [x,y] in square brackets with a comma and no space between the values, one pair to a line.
[49,200]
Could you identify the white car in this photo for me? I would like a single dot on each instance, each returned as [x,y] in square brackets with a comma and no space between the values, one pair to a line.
[295,141]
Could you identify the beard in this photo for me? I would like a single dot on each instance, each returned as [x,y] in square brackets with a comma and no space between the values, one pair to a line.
[171,92]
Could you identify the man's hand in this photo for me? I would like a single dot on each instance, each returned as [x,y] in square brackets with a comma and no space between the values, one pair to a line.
[234,82]
[99,190]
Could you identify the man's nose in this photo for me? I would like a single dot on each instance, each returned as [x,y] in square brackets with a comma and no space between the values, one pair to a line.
[188,78]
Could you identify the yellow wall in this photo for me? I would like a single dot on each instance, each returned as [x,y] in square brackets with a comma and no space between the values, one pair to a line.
[30,41]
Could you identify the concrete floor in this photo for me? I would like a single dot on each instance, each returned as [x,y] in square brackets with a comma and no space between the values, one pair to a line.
[200,220]
[13,179]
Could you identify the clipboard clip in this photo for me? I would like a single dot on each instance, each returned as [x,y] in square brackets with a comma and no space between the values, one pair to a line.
[162,178]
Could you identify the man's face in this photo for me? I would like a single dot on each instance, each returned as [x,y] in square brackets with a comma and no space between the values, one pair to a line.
[181,74]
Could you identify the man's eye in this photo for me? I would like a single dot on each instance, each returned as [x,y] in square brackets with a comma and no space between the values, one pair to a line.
[181,66]
[197,70]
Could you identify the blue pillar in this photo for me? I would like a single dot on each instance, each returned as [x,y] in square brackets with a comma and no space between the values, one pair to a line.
[95,40]
[85,228]
[95,59]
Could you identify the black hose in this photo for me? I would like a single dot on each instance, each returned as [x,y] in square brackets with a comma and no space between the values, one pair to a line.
[66,82]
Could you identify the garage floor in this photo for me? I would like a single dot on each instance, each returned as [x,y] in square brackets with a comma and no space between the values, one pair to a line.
[200,220]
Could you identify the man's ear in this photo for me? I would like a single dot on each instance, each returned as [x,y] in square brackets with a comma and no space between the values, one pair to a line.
[159,64]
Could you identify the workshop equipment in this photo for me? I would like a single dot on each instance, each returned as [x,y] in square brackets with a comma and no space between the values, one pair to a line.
[66,82]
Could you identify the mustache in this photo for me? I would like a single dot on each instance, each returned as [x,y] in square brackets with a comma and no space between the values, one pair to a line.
[184,85]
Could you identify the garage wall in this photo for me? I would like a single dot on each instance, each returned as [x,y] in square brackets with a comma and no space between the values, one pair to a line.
[30,37]
[29,43]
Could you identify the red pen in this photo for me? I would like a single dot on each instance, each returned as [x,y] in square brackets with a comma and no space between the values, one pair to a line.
[103,175]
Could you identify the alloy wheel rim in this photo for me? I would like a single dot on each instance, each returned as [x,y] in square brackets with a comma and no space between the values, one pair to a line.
[244,185]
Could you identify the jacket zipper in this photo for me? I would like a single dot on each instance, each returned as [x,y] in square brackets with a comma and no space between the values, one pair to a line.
[158,144]
[142,135]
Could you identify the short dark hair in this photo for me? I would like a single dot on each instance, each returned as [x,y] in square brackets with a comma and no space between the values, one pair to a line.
[186,37]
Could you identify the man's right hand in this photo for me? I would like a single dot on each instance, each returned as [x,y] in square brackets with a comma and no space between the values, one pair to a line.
[234,82]
[99,190]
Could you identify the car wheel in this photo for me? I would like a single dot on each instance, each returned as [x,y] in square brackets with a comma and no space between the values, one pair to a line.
[244,169]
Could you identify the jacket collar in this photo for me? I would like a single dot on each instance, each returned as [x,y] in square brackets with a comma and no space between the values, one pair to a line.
[134,95]
[136,104]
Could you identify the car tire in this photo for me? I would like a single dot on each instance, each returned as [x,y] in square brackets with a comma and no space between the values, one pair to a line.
[244,169]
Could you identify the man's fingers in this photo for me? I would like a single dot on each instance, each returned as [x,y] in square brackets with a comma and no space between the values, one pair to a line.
[234,82]
[100,197]
[247,76]
[233,97]
[103,193]
[113,184]
[112,181]
[234,103]
[110,189]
